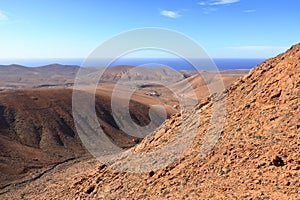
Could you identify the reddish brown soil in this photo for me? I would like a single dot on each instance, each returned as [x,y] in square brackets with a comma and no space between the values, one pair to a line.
[43,158]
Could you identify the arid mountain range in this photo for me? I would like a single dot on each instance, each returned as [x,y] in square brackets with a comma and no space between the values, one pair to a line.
[56,75]
[255,157]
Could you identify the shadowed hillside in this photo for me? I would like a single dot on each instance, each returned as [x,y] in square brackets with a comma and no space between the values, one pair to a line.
[38,133]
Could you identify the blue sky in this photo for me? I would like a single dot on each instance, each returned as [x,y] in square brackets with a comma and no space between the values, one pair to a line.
[72,29]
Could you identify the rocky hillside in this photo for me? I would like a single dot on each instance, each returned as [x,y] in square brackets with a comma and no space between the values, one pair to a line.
[256,157]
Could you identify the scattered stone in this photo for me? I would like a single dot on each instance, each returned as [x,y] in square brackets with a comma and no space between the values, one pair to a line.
[151,173]
[277,161]
[90,190]
[259,173]
[221,172]
[261,165]
[277,95]
[257,181]
[294,182]
[136,140]
[164,192]
[101,167]
[296,167]
[224,171]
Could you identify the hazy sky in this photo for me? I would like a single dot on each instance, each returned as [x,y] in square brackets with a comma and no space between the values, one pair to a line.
[72,29]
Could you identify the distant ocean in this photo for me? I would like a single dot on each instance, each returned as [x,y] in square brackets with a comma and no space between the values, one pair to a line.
[175,63]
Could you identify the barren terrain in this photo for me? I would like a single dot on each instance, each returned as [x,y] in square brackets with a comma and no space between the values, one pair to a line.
[257,156]
[42,156]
